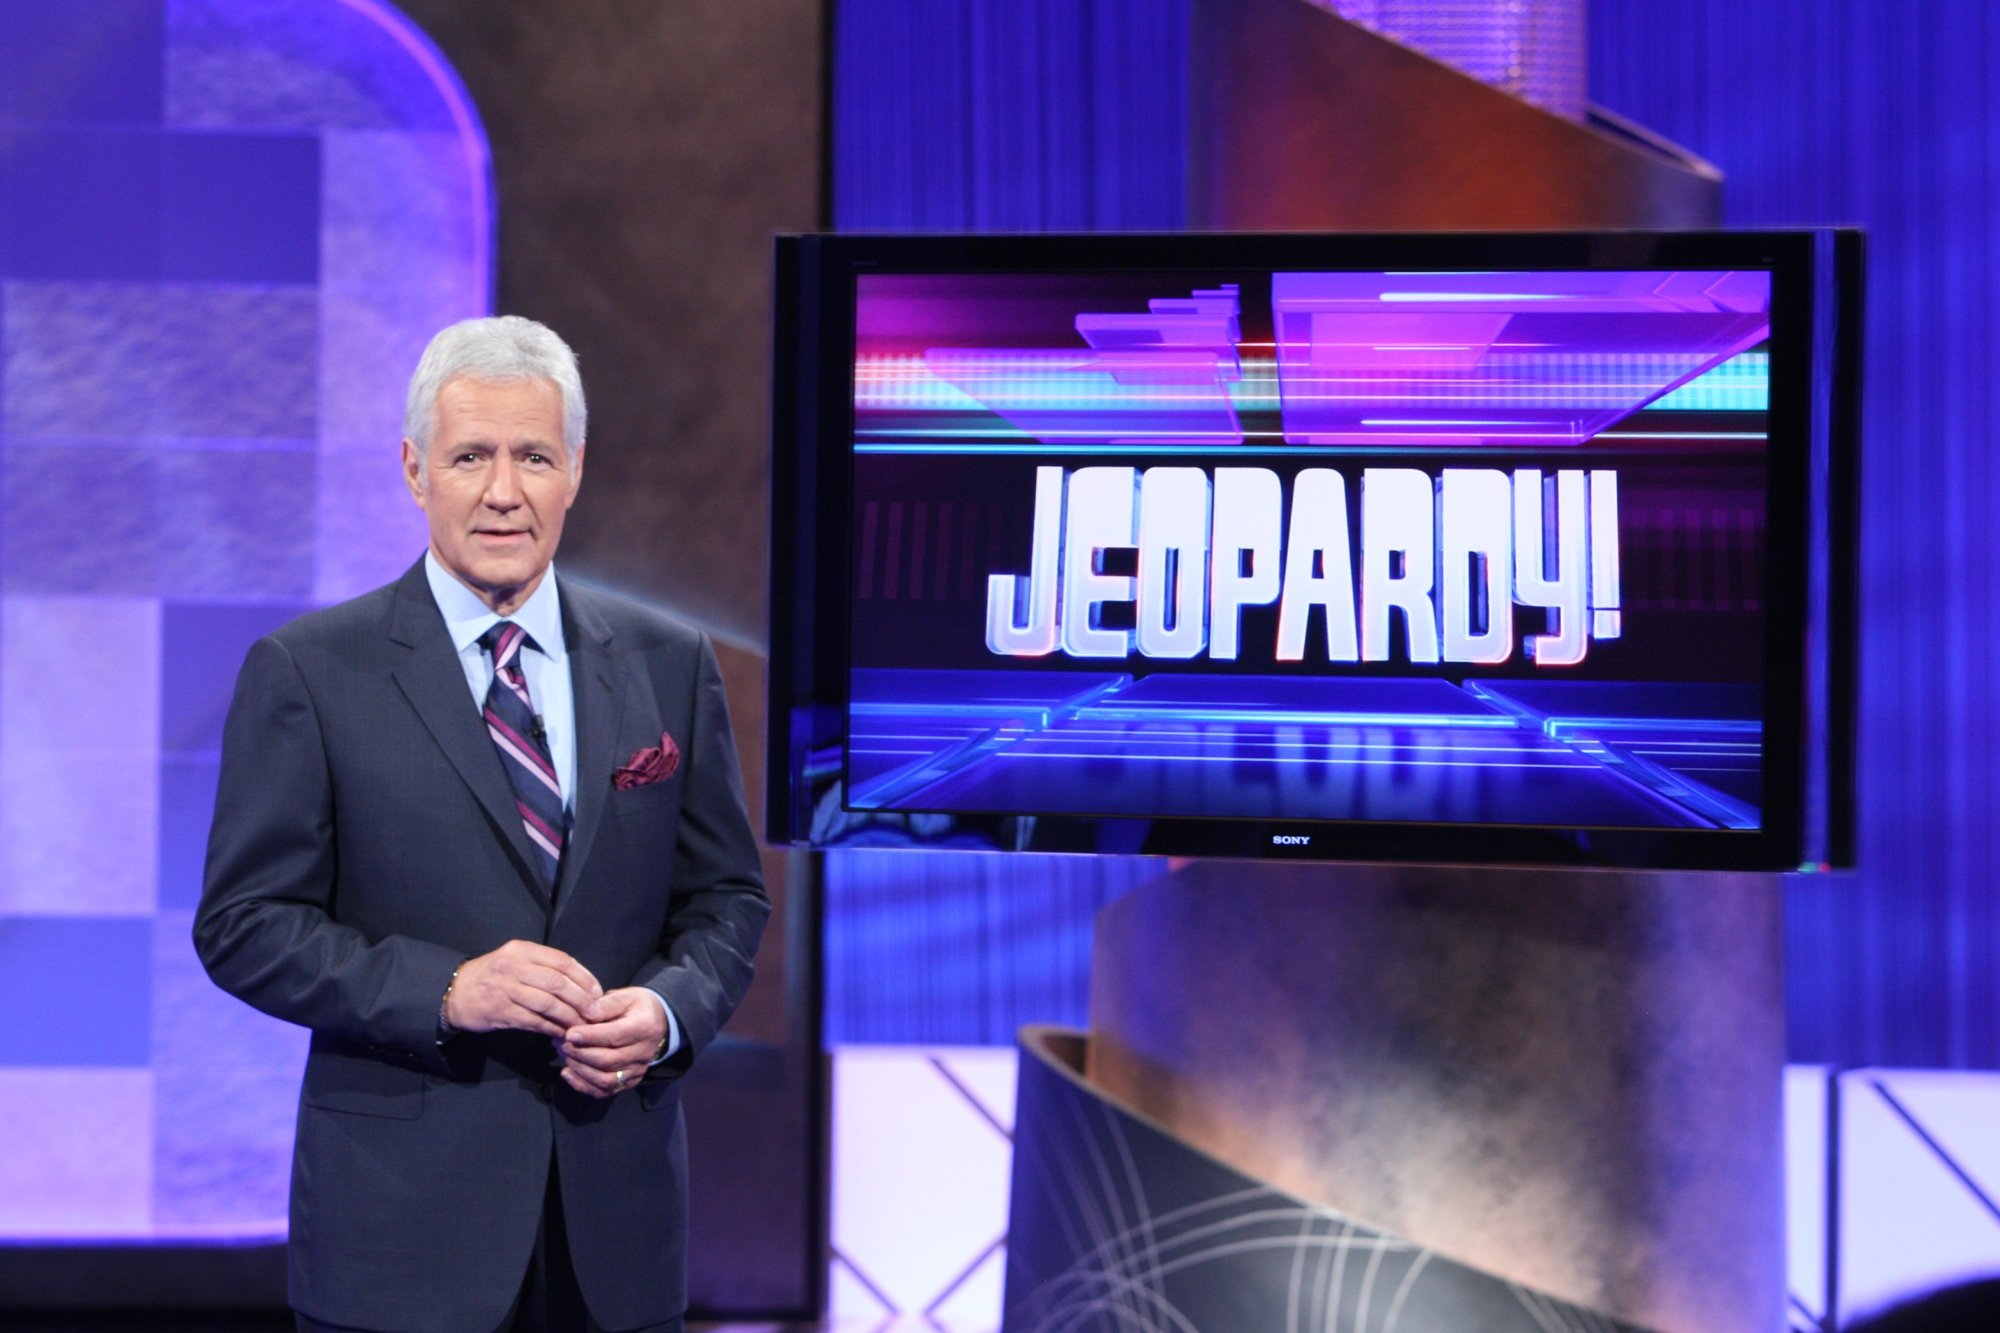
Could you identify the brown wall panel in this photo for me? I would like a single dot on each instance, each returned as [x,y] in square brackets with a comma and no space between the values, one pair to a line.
[644,154]
[1301,120]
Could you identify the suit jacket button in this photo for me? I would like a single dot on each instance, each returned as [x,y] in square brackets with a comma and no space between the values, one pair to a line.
[546,1091]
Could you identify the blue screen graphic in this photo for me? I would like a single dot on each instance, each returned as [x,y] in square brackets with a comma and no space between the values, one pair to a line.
[1453,548]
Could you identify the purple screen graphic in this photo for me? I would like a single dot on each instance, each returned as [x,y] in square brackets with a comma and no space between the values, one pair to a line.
[1431,547]
[1160,376]
[1489,358]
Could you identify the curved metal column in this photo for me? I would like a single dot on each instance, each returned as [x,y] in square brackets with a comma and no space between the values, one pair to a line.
[1568,1079]
[1121,1228]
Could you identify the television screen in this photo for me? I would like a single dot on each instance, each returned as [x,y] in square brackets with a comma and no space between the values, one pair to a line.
[1509,548]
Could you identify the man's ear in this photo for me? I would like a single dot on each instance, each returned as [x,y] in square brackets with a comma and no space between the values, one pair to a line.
[413,472]
[575,475]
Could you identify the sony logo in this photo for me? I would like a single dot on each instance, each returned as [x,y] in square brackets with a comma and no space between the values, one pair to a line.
[1290,839]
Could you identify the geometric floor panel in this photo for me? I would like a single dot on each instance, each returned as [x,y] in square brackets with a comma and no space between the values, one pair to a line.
[1916,1184]
[921,1156]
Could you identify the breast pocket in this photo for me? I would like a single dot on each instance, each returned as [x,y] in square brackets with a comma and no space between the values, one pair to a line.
[363,1087]
[654,799]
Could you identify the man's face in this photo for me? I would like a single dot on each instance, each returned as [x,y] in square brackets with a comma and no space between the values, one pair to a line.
[496,484]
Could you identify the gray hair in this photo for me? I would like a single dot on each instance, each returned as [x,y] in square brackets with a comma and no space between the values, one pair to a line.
[502,349]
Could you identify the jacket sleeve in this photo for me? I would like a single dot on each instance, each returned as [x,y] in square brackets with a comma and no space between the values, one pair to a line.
[265,929]
[718,906]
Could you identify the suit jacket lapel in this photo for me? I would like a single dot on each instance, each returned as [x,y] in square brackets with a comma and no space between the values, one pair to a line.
[434,682]
[599,710]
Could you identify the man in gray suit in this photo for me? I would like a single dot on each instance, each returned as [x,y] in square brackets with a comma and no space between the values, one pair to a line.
[483,832]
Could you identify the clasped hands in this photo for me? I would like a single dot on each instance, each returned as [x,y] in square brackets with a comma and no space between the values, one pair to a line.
[599,1034]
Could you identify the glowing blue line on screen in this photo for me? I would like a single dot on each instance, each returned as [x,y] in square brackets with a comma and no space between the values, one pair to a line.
[1015,445]
[1444,421]
[1158,714]
[1550,762]
[1472,296]
[1107,433]
[1024,713]
[1561,727]
[1749,747]
[1125,740]
[1685,435]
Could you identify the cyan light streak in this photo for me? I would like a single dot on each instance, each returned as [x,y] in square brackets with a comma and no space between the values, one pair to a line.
[1740,384]
[898,384]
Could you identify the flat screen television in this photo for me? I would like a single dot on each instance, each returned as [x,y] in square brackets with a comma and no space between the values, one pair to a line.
[1515,548]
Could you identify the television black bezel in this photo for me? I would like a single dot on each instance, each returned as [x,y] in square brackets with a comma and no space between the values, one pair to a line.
[1810,556]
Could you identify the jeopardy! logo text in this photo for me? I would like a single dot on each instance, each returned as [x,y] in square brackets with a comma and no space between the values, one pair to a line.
[1453,558]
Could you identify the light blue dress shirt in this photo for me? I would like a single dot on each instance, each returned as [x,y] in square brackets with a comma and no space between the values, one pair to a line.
[546,664]
[546,667]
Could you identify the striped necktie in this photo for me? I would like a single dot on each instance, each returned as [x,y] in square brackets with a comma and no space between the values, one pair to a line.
[524,750]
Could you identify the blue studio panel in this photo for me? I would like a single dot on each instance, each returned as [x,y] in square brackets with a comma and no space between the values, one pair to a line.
[1886,115]
[87,982]
[207,317]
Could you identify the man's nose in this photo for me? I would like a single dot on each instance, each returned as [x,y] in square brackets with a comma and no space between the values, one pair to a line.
[503,490]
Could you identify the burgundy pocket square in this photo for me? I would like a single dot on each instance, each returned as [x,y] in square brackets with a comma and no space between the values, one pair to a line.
[655,763]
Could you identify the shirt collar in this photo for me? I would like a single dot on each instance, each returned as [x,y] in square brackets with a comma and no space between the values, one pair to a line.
[466,617]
